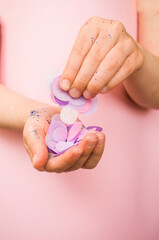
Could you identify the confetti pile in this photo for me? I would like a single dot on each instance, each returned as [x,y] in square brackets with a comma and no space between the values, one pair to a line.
[65,129]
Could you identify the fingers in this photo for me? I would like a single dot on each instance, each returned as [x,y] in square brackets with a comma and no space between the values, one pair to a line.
[63,161]
[93,64]
[88,144]
[88,69]
[107,69]
[74,156]
[83,43]
[124,72]
[96,153]
[86,155]
[73,159]
[34,142]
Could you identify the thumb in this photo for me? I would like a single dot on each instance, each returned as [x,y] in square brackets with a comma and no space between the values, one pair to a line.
[34,142]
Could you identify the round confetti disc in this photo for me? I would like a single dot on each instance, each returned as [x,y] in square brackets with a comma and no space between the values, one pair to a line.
[65,130]
[78,101]
[50,144]
[58,92]
[61,146]
[86,107]
[60,102]
[68,115]
[52,127]
[56,117]
[60,134]
[95,128]
[93,107]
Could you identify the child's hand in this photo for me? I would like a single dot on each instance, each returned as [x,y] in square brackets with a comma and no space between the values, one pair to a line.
[86,155]
[103,56]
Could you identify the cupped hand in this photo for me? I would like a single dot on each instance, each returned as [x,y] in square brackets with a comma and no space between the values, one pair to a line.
[85,155]
[103,56]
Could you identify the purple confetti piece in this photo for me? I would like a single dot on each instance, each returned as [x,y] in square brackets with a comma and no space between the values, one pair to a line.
[60,134]
[52,127]
[96,128]
[59,153]
[58,92]
[78,101]
[50,150]
[60,102]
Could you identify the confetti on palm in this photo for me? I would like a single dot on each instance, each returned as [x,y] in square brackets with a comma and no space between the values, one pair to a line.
[65,129]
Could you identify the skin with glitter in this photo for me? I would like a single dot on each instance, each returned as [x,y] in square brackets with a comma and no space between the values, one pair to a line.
[116,58]
[139,77]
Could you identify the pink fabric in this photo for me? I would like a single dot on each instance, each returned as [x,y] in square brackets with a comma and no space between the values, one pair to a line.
[116,201]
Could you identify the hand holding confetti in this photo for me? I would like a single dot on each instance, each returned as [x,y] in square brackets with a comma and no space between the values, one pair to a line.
[69,145]
[65,130]
[103,56]
[84,155]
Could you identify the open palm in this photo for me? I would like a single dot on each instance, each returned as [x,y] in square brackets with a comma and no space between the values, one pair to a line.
[85,155]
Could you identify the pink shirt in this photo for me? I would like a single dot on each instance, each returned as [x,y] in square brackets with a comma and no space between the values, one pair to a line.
[118,200]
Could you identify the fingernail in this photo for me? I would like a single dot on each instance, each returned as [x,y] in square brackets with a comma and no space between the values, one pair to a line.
[65,84]
[104,90]
[74,93]
[86,94]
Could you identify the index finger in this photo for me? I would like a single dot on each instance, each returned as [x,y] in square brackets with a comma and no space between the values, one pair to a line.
[85,39]
[67,159]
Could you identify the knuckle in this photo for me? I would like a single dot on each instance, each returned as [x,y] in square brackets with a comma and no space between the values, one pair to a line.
[112,64]
[90,20]
[78,50]
[94,18]
[96,55]
[128,69]
[130,43]
[112,84]
[94,87]
[140,57]
[71,69]
[81,82]
[118,25]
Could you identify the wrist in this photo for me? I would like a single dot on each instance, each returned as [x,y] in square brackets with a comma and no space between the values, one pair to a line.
[41,110]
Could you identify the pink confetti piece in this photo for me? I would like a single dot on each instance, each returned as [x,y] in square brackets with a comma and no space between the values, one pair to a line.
[74,131]
[86,107]
[93,107]
[58,92]
[61,146]
[60,134]
[50,144]
[78,101]
[60,102]
[53,126]
[65,131]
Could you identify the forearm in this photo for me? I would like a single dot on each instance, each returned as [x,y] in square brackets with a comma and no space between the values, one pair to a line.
[143,86]
[14,108]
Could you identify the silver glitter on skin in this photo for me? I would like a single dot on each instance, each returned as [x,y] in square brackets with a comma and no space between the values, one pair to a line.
[34,133]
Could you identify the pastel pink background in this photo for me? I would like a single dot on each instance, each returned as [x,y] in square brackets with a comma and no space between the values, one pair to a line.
[119,200]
